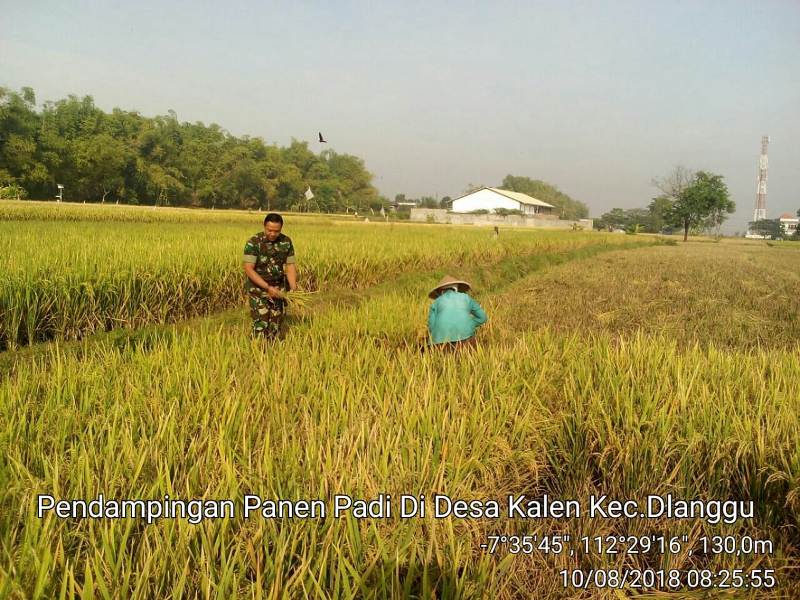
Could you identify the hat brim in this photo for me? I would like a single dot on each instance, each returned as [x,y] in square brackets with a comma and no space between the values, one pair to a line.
[463,286]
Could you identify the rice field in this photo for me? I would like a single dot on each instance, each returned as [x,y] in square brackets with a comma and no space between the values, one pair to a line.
[559,398]
[734,295]
[63,278]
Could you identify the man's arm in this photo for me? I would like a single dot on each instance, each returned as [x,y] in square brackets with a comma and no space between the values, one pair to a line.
[250,271]
[291,269]
[478,312]
[291,275]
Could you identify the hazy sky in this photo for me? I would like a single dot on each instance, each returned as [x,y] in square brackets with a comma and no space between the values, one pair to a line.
[595,97]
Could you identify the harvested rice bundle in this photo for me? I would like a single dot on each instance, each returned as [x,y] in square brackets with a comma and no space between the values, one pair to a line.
[298,300]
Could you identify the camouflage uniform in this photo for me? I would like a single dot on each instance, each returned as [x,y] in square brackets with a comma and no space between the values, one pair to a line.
[269,259]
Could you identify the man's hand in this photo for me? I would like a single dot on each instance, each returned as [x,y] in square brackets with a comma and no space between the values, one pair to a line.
[274,292]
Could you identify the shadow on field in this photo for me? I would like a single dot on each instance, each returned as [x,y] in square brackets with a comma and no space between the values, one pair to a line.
[141,340]
[422,580]
[399,343]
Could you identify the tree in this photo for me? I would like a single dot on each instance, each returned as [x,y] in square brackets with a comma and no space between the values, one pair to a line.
[161,183]
[632,220]
[351,181]
[428,202]
[673,184]
[473,187]
[717,216]
[567,207]
[100,160]
[769,228]
[796,234]
[706,197]
[613,219]
[638,219]
[658,209]
[19,158]
[162,160]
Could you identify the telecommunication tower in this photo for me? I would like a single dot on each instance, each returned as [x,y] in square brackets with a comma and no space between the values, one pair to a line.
[761,193]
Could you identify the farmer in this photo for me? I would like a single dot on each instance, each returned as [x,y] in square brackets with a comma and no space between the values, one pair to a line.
[265,256]
[454,316]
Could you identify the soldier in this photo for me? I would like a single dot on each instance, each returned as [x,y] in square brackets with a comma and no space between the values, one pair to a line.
[265,255]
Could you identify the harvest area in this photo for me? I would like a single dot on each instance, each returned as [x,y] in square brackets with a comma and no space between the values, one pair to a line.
[618,365]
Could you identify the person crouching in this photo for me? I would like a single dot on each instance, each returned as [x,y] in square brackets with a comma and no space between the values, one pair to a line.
[454,316]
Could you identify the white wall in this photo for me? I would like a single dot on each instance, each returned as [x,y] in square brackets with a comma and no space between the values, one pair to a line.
[484,199]
[439,215]
[789,225]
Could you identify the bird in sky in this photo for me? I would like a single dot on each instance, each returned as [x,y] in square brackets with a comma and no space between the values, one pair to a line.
[322,139]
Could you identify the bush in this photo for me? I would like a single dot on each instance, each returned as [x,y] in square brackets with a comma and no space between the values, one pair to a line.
[633,229]
[13,192]
[506,212]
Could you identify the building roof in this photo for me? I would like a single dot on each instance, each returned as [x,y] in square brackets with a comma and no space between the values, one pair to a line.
[520,197]
[787,216]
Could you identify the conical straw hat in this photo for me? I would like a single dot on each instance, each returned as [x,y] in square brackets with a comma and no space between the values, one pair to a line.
[446,281]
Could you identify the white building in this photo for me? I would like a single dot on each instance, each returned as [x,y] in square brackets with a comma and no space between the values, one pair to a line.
[789,223]
[493,198]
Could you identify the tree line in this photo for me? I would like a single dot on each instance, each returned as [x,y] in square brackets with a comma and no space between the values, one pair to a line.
[689,201]
[125,157]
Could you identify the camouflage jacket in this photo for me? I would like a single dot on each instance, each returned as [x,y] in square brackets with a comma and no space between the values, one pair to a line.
[268,257]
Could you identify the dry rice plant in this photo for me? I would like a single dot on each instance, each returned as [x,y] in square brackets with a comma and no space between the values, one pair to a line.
[550,402]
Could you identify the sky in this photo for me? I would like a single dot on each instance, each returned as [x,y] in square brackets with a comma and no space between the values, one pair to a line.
[595,97]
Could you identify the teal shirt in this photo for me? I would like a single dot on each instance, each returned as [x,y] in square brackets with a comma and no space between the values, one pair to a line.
[454,316]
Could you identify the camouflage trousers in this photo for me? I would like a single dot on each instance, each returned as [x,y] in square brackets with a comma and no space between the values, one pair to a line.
[267,313]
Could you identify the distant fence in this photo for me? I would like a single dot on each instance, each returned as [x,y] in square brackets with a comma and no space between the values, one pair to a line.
[440,215]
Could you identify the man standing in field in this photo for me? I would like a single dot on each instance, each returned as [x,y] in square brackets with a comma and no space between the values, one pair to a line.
[270,269]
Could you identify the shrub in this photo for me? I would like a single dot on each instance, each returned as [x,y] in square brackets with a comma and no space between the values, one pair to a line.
[507,212]
[13,192]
